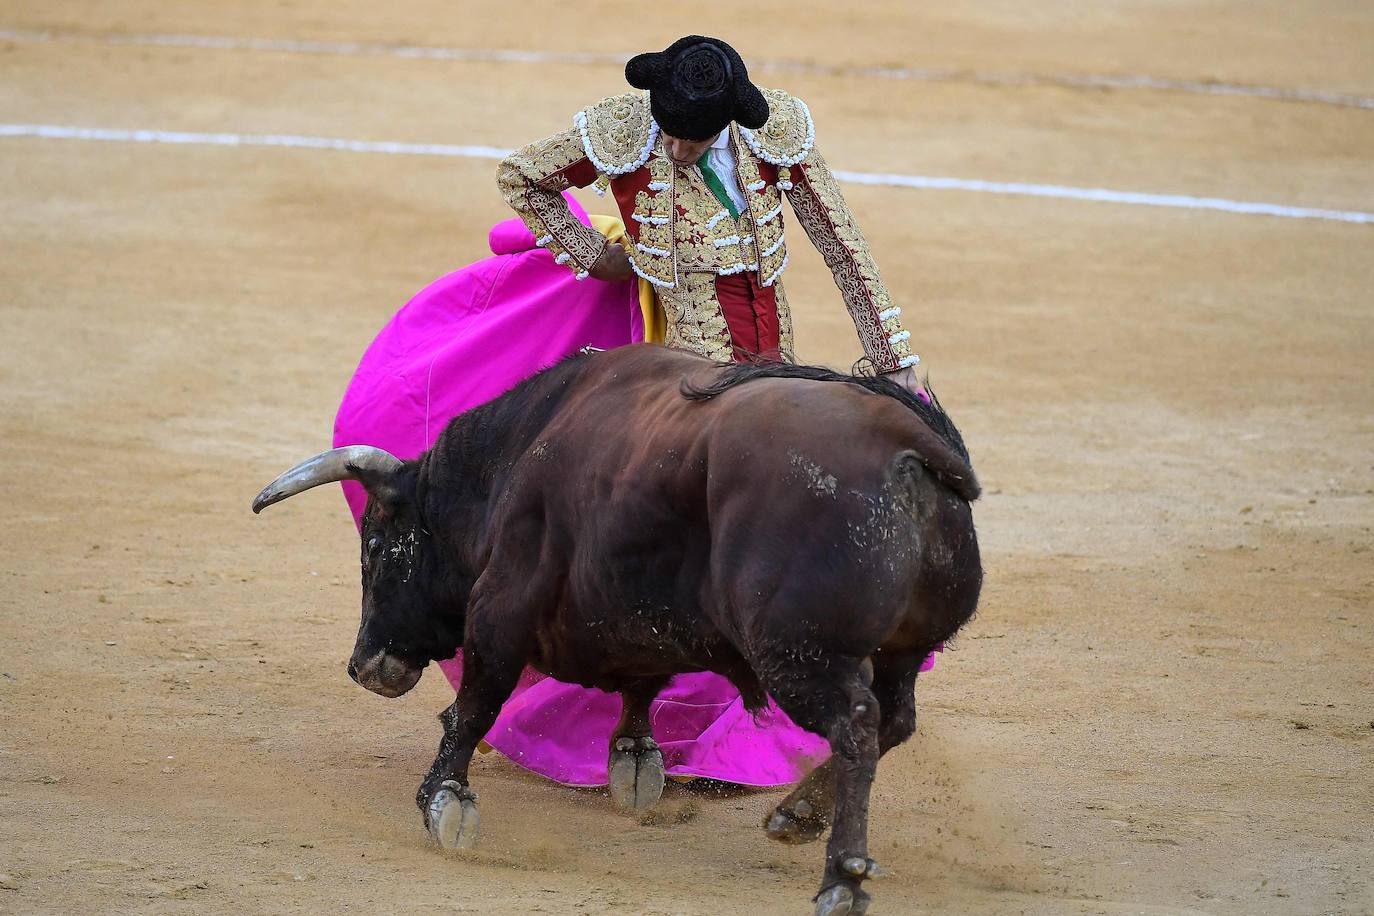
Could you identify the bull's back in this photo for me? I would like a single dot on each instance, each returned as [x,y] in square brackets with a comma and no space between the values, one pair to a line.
[776,501]
[791,446]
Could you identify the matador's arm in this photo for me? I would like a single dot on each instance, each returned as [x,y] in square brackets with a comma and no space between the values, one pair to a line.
[533,179]
[822,211]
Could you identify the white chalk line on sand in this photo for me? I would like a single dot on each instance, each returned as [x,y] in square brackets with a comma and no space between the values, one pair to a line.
[1101,195]
[509,55]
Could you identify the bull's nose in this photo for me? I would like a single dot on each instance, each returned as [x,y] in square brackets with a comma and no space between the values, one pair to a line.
[385,674]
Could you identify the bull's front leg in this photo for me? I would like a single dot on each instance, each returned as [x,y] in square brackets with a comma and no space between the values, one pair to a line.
[445,798]
[447,802]
[634,771]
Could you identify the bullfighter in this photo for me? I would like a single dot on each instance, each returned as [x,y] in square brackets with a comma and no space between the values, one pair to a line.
[698,159]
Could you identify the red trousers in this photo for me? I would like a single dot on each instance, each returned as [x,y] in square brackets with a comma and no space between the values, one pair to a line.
[751,312]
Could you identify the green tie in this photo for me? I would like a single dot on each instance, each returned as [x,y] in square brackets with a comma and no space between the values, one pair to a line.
[714,183]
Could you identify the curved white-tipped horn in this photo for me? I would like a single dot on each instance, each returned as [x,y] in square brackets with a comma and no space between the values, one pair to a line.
[327,467]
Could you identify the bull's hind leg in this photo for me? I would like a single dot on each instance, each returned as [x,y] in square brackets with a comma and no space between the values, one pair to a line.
[447,802]
[838,703]
[634,771]
[804,815]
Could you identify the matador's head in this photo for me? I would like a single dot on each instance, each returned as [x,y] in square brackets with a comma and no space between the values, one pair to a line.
[696,88]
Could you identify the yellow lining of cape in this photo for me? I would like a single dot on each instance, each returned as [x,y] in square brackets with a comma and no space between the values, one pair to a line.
[655,322]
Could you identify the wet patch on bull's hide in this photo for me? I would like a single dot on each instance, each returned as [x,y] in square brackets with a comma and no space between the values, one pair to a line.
[815,476]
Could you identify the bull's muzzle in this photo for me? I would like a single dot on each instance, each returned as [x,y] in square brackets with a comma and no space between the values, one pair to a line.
[384,674]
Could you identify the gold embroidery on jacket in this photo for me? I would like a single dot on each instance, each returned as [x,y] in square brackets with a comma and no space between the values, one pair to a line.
[767,253]
[823,213]
[695,319]
[523,180]
[655,257]
[618,133]
[706,236]
[785,342]
[787,136]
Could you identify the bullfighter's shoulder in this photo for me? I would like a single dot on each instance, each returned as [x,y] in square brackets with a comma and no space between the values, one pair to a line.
[618,133]
[787,136]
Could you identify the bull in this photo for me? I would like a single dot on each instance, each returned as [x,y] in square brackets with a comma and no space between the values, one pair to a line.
[626,516]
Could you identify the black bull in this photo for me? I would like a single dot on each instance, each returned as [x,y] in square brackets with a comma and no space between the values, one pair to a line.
[626,516]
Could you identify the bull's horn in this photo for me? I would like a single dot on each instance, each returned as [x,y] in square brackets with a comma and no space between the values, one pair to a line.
[338,464]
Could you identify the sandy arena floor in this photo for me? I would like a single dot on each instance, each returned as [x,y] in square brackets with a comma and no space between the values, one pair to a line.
[1164,705]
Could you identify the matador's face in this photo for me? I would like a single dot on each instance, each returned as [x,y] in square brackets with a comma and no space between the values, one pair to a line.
[685,152]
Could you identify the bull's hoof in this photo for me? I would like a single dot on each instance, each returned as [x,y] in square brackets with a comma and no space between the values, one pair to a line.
[796,825]
[841,899]
[451,816]
[635,773]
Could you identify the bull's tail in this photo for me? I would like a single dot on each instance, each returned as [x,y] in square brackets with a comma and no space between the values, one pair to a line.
[932,454]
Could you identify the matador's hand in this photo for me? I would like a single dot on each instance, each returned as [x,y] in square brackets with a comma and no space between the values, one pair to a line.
[907,379]
[614,264]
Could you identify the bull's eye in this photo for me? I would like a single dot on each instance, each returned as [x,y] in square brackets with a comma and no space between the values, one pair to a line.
[373,543]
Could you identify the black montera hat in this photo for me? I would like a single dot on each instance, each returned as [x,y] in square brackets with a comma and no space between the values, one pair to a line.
[697,87]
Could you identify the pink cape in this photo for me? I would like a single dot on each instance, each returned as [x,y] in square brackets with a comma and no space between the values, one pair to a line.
[463,340]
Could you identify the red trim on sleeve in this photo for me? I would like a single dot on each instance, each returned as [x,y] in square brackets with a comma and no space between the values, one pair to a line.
[578,175]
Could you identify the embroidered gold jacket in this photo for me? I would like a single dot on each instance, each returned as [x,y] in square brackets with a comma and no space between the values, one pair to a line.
[682,238]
